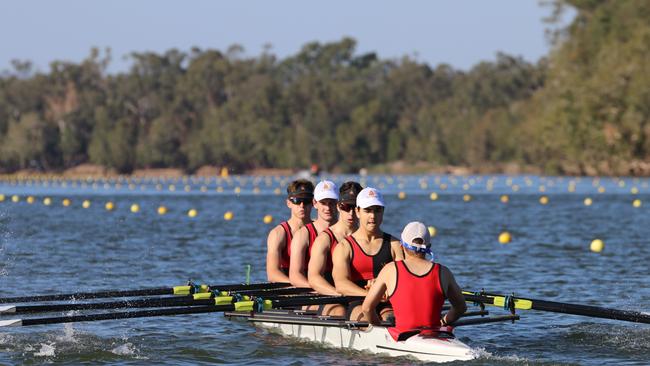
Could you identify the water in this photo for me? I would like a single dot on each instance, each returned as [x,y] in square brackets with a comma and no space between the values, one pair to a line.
[53,249]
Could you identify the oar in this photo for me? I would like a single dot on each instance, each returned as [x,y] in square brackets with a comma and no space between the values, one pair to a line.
[193,300]
[176,290]
[523,303]
[250,305]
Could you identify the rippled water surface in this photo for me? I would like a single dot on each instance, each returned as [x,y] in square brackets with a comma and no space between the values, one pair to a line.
[52,249]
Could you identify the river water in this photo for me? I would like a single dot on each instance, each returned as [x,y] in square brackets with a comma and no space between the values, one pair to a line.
[53,248]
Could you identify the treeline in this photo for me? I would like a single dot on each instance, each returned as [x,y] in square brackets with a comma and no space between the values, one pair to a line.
[587,104]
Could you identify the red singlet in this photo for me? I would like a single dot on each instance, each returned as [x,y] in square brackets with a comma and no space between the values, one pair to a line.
[364,266]
[417,300]
[286,251]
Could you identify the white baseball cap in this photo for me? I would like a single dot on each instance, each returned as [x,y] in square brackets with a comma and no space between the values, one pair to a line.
[416,230]
[326,189]
[369,197]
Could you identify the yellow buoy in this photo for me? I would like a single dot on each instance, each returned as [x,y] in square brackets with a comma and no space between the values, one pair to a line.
[47,201]
[2,197]
[504,198]
[66,202]
[433,196]
[162,210]
[135,208]
[30,200]
[237,190]
[401,195]
[15,198]
[268,219]
[636,203]
[543,200]
[228,215]
[597,246]
[85,204]
[172,188]
[187,188]
[505,237]
[109,206]
[634,190]
[192,213]
[588,201]
[467,197]
[432,231]
[601,189]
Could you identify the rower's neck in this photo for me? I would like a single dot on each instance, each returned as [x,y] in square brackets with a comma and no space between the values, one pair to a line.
[369,235]
[297,223]
[343,228]
[322,224]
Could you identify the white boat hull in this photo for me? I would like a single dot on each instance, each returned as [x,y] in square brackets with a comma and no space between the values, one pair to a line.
[378,340]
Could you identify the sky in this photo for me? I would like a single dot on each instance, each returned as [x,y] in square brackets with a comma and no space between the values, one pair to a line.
[461,33]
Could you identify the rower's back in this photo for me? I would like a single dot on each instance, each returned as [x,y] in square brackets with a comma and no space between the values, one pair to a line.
[417,296]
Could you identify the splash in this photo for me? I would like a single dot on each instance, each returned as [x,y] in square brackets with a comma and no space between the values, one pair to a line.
[126,349]
[47,350]
[482,353]
[68,334]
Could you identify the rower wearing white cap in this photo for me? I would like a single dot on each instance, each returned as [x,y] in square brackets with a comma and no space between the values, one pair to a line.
[326,196]
[359,258]
[416,287]
[320,263]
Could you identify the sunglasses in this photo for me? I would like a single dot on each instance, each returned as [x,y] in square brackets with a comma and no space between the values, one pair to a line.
[346,207]
[298,200]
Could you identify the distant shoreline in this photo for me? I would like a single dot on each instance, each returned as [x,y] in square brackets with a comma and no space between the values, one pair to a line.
[630,169]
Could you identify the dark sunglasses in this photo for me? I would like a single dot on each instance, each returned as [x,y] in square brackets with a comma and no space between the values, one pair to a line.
[346,207]
[298,200]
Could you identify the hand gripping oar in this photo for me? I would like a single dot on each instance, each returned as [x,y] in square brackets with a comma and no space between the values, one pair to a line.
[257,305]
[176,290]
[512,303]
[201,299]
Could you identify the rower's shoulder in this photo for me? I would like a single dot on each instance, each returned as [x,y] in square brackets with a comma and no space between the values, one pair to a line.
[393,239]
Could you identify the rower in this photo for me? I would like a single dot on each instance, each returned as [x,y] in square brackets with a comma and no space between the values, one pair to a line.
[300,194]
[416,287]
[326,196]
[320,263]
[358,259]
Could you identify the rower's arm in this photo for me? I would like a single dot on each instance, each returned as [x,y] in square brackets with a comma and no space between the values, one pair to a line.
[396,249]
[375,294]
[274,245]
[341,272]
[317,261]
[297,270]
[454,295]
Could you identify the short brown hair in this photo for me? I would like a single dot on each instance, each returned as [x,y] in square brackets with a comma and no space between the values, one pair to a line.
[300,187]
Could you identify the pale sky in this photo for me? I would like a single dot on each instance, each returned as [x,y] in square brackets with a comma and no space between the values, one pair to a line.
[458,32]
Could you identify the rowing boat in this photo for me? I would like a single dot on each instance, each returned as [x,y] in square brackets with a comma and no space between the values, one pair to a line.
[438,346]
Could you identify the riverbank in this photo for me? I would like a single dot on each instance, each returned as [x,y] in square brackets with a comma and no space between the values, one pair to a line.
[636,168]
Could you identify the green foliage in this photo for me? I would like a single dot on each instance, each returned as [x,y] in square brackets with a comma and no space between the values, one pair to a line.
[586,104]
